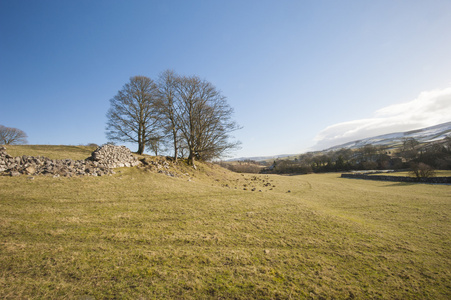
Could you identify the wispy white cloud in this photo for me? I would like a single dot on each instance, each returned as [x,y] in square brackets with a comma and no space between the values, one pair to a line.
[428,109]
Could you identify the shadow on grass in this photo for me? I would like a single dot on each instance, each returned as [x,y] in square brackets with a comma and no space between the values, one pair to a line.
[415,183]
[402,184]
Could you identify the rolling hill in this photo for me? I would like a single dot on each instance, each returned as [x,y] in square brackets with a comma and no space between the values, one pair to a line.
[391,140]
[424,135]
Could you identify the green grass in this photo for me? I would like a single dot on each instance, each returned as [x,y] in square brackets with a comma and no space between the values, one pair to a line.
[138,234]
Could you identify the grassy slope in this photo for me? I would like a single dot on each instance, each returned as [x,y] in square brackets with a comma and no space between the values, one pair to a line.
[140,234]
[51,151]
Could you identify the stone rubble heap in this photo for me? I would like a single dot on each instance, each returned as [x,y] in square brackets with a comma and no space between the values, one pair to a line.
[162,165]
[114,156]
[101,162]
[159,165]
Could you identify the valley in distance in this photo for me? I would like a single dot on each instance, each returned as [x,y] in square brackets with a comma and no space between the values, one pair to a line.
[402,151]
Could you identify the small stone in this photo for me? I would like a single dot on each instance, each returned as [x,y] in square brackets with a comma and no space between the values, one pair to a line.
[30,170]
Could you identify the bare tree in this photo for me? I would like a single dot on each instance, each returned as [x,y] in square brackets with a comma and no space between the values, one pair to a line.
[195,115]
[421,170]
[156,145]
[204,119]
[409,148]
[167,92]
[132,116]
[12,136]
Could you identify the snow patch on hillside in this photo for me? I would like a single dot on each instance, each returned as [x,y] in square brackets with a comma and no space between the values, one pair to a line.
[423,135]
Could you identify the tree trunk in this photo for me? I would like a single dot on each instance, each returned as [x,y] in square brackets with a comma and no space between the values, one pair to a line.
[140,148]
[174,133]
[191,158]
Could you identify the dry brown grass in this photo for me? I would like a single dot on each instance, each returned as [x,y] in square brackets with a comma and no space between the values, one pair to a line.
[51,151]
[138,234]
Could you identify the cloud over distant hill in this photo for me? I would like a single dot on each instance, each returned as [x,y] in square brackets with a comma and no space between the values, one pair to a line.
[428,109]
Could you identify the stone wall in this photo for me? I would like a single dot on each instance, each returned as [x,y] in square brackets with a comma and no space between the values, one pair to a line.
[101,162]
[442,180]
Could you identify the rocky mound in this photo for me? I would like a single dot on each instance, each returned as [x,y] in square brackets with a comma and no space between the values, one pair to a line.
[114,156]
[163,165]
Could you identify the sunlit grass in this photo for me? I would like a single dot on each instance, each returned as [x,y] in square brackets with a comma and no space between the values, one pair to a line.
[202,235]
[51,151]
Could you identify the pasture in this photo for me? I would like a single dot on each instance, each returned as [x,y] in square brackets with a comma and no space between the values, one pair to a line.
[142,235]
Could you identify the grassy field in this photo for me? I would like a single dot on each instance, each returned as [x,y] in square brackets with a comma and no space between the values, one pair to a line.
[51,151]
[206,234]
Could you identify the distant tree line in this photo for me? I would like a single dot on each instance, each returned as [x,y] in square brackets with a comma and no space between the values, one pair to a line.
[184,115]
[410,155]
[244,166]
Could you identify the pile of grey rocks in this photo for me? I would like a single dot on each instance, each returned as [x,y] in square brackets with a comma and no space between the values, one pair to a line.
[102,162]
[158,165]
[114,156]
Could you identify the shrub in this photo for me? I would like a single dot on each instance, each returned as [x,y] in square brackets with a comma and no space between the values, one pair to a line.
[421,170]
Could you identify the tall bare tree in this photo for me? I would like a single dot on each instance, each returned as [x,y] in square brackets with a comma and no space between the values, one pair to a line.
[167,92]
[12,136]
[132,116]
[203,118]
[195,115]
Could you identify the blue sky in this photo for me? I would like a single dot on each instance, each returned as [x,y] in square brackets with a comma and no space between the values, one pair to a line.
[300,75]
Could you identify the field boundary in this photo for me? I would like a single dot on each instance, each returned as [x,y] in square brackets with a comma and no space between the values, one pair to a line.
[446,180]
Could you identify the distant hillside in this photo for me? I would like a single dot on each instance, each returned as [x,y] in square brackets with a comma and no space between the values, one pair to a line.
[391,140]
[424,135]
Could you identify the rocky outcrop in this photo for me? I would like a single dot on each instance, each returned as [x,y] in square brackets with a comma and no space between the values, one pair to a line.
[102,162]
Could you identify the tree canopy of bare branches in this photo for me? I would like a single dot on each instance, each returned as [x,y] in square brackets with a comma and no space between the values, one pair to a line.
[167,88]
[185,113]
[12,136]
[132,116]
[196,115]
